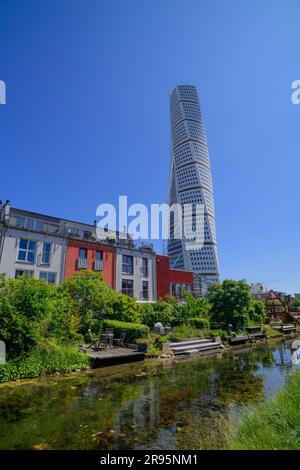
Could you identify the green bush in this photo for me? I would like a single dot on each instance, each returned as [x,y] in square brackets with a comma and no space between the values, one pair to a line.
[191,308]
[126,309]
[159,311]
[199,322]
[62,358]
[184,332]
[160,340]
[231,302]
[31,311]
[134,330]
[153,351]
[224,335]
[89,294]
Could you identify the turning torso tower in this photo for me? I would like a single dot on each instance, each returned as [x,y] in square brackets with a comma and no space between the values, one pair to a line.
[191,183]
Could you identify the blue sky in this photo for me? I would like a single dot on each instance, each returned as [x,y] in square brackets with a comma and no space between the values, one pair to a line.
[87,114]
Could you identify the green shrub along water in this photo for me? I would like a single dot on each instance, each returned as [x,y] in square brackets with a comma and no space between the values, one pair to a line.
[272,425]
[37,318]
[61,358]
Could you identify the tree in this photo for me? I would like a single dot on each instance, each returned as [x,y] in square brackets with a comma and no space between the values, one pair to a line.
[295,303]
[193,308]
[31,313]
[91,296]
[126,309]
[231,302]
[159,311]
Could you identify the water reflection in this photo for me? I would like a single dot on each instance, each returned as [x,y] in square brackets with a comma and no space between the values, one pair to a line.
[184,404]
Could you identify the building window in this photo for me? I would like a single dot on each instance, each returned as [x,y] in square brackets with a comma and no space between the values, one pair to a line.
[46,253]
[98,264]
[82,261]
[127,264]
[127,287]
[30,224]
[87,235]
[82,253]
[75,232]
[20,221]
[145,292]
[27,250]
[145,267]
[24,272]
[50,278]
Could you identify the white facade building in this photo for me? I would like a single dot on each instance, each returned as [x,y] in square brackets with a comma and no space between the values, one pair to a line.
[136,272]
[258,288]
[32,244]
[191,183]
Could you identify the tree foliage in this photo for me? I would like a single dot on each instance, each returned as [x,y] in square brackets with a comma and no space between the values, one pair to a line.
[32,312]
[231,302]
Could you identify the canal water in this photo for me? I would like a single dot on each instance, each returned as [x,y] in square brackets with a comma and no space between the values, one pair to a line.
[183,404]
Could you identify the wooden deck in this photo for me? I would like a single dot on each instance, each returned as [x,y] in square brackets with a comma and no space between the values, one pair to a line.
[112,356]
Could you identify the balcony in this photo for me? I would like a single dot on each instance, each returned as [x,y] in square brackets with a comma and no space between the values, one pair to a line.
[34,225]
[98,265]
[144,271]
[82,263]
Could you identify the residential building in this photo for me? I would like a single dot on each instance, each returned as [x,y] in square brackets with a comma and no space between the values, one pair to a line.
[54,249]
[83,254]
[172,281]
[31,244]
[136,271]
[190,182]
[257,289]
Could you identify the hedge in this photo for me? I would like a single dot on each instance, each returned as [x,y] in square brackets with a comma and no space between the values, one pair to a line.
[134,330]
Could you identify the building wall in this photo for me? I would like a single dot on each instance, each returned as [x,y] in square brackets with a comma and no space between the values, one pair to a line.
[162,276]
[9,260]
[166,277]
[72,255]
[137,276]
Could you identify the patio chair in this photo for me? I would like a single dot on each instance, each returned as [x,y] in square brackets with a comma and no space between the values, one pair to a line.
[120,341]
[109,331]
[97,343]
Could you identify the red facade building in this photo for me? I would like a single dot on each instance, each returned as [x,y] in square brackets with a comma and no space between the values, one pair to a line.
[171,281]
[90,255]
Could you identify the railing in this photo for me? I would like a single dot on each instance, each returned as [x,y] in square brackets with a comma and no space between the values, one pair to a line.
[82,263]
[98,265]
[34,225]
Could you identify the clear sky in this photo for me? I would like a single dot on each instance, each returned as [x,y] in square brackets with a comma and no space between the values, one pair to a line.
[87,114]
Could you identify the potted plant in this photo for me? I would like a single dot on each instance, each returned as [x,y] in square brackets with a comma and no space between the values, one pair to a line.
[142,344]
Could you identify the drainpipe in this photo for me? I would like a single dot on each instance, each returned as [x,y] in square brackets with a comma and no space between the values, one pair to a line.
[4,221]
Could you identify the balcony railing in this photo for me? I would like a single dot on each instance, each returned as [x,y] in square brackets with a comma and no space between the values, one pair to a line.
[98,265]
[144,271]
[82,263]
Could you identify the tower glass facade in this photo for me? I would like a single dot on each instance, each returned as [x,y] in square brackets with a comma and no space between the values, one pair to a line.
[191,183]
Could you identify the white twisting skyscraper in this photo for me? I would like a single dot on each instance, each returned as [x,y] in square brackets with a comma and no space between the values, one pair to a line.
[190,183]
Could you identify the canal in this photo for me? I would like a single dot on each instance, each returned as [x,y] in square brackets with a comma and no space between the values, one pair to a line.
[182,404]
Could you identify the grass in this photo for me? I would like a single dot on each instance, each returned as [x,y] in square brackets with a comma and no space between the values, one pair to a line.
[272,425]
[186,331]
